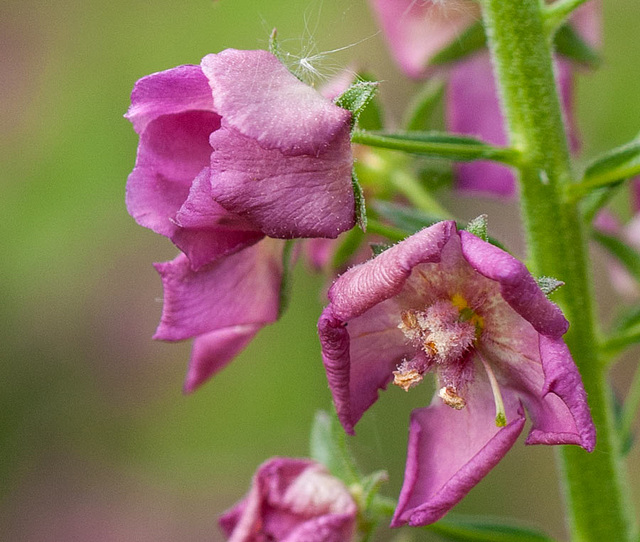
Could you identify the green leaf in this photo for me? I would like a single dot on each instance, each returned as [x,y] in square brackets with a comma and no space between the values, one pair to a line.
[328,445]
[478,529]
[626,255]
[287,276]
[549,284]
[597,199]
[611,168]
[470,41]
[361,208]
[406,218]
[437,145]
[568,43]
[356,98]
[478,227]
[420,110]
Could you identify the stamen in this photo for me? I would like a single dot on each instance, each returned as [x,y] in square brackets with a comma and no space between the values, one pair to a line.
[407,376]
[451,398]
[501,415]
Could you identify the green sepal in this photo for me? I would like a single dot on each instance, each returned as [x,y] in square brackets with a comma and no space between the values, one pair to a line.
[458,528]
[418,114]
[570,44]
[437,145]
[548,285]
[471,40]
[361,208]
[478,227]
[372,116]
[287,276]
[379,248]
[328,445]
[274,45]
[356,98]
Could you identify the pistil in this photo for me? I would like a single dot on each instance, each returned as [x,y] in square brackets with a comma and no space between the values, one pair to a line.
[501,415]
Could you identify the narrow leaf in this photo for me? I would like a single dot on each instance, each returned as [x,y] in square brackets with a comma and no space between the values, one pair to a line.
[406,218]
[437,145]
[349,243]
[478,529]
[611,168]
[420,110]
[570,44]
[626,255]
[328,445]
[470,41]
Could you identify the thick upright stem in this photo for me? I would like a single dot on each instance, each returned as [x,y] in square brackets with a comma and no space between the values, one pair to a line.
[597,499]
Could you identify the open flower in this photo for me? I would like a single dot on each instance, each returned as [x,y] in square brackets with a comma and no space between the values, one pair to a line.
[446,302]
[234,149]
[292,500]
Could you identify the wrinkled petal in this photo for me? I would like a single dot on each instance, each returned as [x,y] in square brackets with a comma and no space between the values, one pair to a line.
[562,380]
[207,231]
[259,98]
[517,286]
[450,451]
[417,30]
[168,92]
[173,150]
[365,285]
[212,352]
[360,361]
[292,500]
[284,195]
[243,288]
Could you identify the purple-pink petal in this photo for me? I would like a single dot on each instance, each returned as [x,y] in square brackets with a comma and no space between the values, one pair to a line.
[260,99]
[365,285]
[292,500]
[212,352]
[169,92]
[243,288]
[473,108]
[284,194]
[416,31]
[517,286]
[450,451]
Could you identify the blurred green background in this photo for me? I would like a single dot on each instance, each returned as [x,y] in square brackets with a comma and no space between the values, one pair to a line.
[97,441]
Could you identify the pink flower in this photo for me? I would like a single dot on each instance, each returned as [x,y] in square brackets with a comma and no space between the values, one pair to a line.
[235,149]
[292,500]
[446,302]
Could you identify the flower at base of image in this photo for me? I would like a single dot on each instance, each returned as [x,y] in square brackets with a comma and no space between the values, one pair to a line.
[292,500]
[445,301]
[235,149]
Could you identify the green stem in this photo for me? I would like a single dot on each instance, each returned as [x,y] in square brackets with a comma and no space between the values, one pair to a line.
[597,498]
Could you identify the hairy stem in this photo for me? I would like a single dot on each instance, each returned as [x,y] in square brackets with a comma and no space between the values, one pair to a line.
[597,499]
